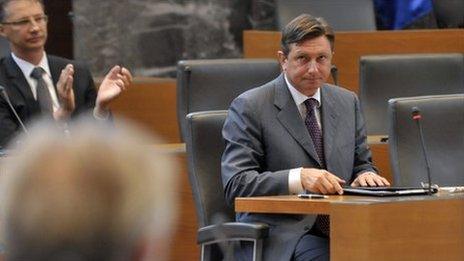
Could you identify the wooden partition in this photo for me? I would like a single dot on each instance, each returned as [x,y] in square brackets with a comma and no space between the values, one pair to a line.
[349,46]
[183,245]
[151,103]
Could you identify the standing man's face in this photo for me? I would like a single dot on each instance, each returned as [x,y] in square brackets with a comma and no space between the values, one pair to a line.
[25,26]
[308,63]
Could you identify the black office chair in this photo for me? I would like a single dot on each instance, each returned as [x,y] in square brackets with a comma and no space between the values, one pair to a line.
[204,85]
[342,15]
[449,13]
[443,130]
[383,77]
[216,221]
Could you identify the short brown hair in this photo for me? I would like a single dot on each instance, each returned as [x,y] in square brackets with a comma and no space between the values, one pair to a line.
[4,3]
[305,27]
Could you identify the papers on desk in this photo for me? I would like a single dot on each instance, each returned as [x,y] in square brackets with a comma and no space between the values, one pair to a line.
[452,189]
[387,191]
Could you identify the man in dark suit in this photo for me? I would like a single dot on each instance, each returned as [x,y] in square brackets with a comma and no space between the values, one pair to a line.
[38,84]
[295,134]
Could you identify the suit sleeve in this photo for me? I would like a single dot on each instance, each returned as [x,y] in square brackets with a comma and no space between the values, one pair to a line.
[362,156]
[91,91]
[244,170]
[8,124]
[90,94]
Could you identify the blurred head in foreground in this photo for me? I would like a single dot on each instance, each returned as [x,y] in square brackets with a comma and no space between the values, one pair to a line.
[101,194]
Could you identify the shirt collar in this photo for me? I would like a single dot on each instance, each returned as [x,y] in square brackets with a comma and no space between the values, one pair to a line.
[299,97]
[27,67]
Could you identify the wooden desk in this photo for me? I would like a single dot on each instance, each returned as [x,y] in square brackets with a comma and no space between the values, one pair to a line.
[368,228]
[184,241]
[349,46]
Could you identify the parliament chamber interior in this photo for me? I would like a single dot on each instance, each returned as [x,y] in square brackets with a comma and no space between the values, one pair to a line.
[191,59]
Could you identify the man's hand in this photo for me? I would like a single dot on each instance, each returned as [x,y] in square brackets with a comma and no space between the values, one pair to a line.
[65,93]
[117,80]
[370,179]
[321,181]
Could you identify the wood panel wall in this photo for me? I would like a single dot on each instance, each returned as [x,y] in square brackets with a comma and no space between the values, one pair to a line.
[349,46]
[151,103]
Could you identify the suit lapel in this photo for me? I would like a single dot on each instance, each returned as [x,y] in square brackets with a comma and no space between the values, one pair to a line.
[55,69]
[18,81]
[329,121]
[290,118]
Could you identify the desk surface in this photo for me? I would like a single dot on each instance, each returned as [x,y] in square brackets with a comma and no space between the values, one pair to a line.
[371,228]
[293,205]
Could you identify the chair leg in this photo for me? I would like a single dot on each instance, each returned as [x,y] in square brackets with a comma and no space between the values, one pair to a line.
[257,250]
[202,258]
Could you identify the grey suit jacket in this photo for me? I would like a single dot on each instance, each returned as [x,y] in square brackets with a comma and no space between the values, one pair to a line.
[23,100]
[266,137]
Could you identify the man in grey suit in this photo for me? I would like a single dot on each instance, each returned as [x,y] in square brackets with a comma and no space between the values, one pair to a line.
[296,134]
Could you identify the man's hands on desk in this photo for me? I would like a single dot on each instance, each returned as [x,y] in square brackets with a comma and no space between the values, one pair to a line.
[323,182]
[370,179]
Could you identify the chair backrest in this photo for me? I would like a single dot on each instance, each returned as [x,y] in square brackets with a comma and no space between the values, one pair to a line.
[443,129]
[342,15]
[204,149]
[383,77]
[204,85]
[449,13]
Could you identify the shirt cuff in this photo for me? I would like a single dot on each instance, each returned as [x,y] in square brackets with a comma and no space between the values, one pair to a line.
[294,181]
[98,116]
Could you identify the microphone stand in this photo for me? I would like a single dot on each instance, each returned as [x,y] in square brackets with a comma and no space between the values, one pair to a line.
[7,99]
[416,116]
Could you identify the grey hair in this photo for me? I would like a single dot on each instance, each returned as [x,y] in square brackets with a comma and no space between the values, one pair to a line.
[92,195]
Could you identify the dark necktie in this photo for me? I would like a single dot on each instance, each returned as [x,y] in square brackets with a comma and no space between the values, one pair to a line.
[314,130]
[322,221]
[43,95]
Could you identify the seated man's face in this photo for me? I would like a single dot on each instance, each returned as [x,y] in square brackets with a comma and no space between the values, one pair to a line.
[308,63]
[25,25]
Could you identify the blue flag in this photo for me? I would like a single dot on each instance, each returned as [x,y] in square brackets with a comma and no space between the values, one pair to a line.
[398,14]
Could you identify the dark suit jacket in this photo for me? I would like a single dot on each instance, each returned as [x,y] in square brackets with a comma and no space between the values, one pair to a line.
[266,137]
[23,100]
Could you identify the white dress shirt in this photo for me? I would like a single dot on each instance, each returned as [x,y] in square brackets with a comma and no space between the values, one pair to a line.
[27,67]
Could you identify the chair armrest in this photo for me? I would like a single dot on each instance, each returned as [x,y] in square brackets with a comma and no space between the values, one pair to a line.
[232,231]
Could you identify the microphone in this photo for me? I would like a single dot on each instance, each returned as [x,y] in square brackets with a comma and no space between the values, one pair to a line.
[416,116]
[334,74]
[7,99]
